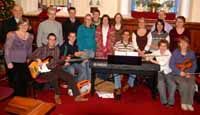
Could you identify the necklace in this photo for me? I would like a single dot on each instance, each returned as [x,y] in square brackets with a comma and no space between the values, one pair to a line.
[22,35]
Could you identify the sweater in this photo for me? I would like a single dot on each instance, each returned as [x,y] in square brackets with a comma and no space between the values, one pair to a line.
[86,38]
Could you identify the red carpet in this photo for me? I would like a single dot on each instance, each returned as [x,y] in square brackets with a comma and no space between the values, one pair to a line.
[137,103]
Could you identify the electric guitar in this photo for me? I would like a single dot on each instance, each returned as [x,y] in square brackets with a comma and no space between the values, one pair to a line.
[35,68]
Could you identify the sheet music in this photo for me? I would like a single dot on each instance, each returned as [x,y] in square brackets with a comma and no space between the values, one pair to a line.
[127,53]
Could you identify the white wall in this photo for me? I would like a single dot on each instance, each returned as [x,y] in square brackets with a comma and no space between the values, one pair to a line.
[188,8]
[28,5]
[195,11]
[107,7]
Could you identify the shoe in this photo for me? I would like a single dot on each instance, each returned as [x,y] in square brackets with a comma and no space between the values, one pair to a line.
[170,105]
[117,94]
[58,99]
[117,97]
[70,93]
[133,90]
[64,86]
[125,88]
[164,104]
[184,107]
[80,99]
[190,107]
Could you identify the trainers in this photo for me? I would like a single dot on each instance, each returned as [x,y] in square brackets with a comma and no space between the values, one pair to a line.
[190,107]
[64,86]
[70,93]
[184,107]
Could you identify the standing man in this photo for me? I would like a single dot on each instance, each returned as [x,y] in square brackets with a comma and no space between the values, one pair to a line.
[96,17]
[11,23]
[71,24]
[49,26]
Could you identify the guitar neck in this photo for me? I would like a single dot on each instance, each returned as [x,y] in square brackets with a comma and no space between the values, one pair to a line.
[193,73]
[77,60]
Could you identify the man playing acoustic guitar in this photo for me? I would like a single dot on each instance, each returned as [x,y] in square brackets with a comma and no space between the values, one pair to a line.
[183,65]
[56,72]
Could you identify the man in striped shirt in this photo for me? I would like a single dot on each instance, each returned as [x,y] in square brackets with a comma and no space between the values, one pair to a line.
[123,45]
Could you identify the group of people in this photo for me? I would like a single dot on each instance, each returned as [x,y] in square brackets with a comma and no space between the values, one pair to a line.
[97,37]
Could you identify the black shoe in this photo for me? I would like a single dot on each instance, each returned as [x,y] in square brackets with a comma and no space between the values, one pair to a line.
[117,97]
[165,104]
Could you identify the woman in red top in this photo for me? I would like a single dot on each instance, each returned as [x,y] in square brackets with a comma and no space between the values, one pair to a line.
[177,32]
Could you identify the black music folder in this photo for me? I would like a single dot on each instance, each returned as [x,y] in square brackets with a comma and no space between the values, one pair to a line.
[128,60]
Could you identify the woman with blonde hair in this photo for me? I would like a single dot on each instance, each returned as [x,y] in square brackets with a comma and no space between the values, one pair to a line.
[141,38]
[183,64]
[18,48]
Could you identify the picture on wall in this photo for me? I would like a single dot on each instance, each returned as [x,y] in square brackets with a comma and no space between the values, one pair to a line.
[169,6]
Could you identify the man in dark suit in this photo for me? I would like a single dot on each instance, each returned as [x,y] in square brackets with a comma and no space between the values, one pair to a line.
[11,23]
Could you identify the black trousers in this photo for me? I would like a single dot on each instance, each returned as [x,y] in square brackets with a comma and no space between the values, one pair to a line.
[18,78]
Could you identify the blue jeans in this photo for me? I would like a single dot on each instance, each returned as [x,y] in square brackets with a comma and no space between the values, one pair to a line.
[117,80]
[86,71]
[166,82]
[76,67]
[83,69]
[85,66]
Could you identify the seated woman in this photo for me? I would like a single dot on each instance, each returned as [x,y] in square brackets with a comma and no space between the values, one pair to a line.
[165,79]
[180,59]
[125,45]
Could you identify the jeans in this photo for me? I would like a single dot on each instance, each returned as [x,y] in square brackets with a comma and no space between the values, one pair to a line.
[83,69]
[166,81]
[85,66]
[72,69]
[117,80]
